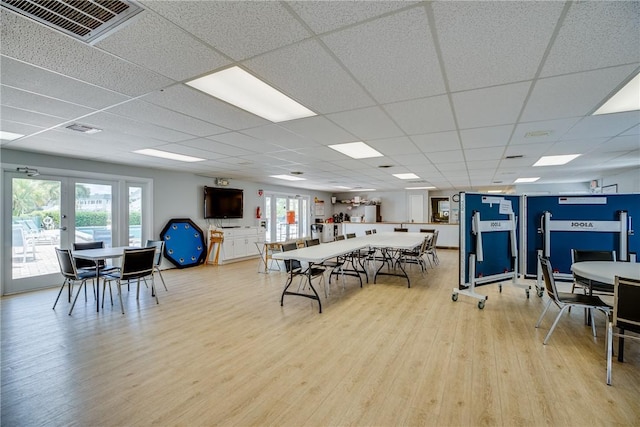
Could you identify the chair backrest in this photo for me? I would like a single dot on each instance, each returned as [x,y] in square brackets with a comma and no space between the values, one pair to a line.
[368,232]
[549,281]
[159,245]
[340,237]
[374,231]
[291,264]
[67,266]
[400,229]
[17,236]
[137,263]
[580,255]
[311,242]
[351,235]
[434,240]
[427,230]
[425,244]
[85,263]
[626,304]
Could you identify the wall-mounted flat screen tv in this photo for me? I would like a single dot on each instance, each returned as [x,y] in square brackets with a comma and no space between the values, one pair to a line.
[223,203]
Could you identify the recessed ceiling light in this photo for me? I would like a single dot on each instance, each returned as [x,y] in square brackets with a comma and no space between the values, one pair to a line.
[9,136]
[521,180]
[363,189]
[288,177]
[343,187]
[419,188]
[494,191]
[168,155]
[237,87]
[296,173]
[626,99]
[83,128]
[356,150]
[406,175]
[555,160]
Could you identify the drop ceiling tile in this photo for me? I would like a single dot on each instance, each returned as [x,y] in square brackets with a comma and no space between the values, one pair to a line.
[307,73]
[499,105]
[497,136]
[191,151]
[237,29]
[393,57]
[40,104]
[573,95]
[595,35]
[29,117]
[439,141]
[366,123]
[424,115]
[38,81]
[621,143]
[19,128]
[216,147]
[394,146]
[556,129]
[317,154]
[278,135]
[157,39]
[72,58]
[438,158]
[633,131]
[319,129]
[492,43]
[533,150]
[113,123]
[196,104]
[482,165]
[153,114]
[245,142]
[409,160]
[603,125]
[326,16]
[580,146]
[489,153]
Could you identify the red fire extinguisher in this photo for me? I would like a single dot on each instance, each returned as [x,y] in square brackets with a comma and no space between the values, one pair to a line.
[258,212]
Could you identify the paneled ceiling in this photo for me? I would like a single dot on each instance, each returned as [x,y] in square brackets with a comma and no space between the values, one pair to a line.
[446,90]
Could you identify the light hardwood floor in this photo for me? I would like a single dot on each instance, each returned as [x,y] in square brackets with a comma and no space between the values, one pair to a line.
[219,350]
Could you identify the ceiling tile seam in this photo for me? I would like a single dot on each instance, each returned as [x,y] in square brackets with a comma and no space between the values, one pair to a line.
[45,96]
[545,55]
[445,80]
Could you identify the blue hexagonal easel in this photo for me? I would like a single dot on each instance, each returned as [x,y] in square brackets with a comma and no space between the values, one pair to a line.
[184,243]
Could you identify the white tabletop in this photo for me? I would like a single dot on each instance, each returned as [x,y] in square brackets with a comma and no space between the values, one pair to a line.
[101,253]
[606,271]
[324,251]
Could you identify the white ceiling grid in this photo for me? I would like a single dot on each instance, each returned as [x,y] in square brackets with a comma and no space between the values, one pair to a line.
[445,90]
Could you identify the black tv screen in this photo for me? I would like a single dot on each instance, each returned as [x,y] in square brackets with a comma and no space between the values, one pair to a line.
[223,203]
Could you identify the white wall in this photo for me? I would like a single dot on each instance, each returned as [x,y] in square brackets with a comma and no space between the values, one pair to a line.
[627,182]
[176,194]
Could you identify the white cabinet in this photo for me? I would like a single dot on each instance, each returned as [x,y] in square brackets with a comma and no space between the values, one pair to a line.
[241,243]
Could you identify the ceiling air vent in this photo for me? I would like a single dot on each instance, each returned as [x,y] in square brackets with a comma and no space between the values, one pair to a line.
[86,20]
[516,156]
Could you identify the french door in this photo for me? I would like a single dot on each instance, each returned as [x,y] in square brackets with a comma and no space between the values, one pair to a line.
[287,217]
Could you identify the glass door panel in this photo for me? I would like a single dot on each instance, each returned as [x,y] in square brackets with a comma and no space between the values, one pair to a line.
[93,213]
[135,216]
[35,231]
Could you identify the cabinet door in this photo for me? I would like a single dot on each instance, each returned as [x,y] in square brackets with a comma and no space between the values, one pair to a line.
[228,248]
[252,248]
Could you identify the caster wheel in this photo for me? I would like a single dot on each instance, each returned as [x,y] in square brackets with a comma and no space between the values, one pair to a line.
[454,297]
[527,293]
[481,304]
[540,293]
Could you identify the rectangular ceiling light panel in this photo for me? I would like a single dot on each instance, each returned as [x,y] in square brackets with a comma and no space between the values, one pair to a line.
[356,150]
[406,176]
[239,88]
[555,160]
[288,177]
[626,99]
[522,180]
[9,136]
[167,155]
